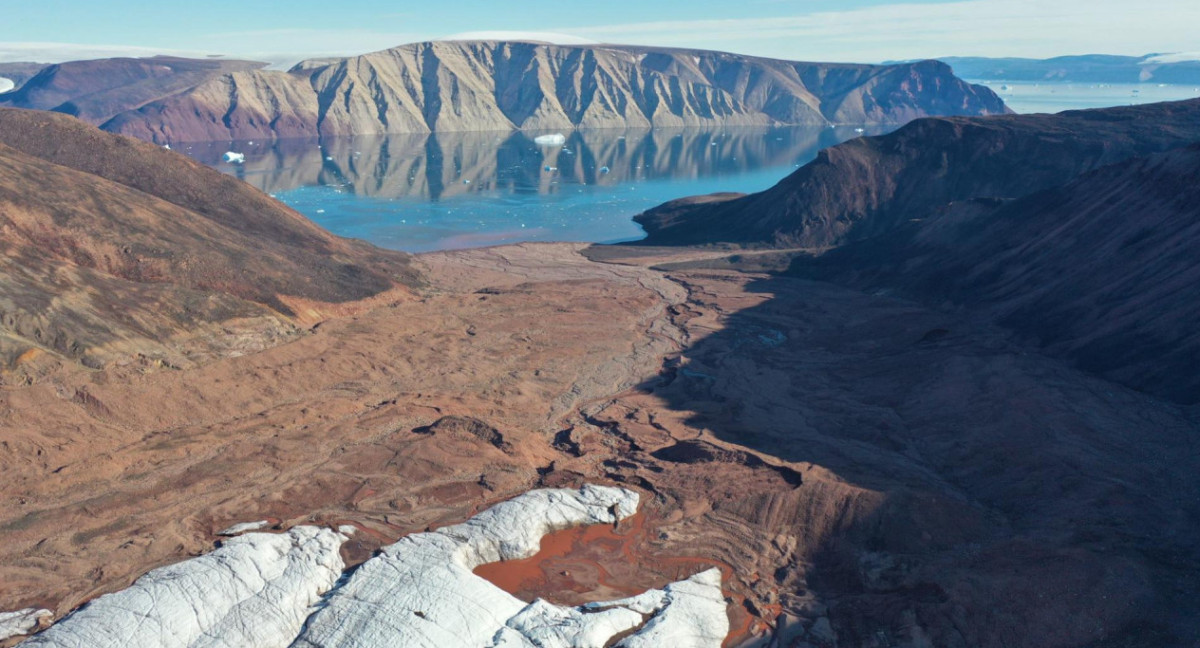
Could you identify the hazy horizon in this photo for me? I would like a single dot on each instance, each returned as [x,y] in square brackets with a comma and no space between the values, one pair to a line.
[866,31]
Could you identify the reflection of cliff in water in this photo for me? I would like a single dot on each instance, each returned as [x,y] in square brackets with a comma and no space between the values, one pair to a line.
[441,165]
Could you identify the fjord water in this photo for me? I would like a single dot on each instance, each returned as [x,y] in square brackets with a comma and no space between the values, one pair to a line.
[1057,96]
[453,190]
[441,191]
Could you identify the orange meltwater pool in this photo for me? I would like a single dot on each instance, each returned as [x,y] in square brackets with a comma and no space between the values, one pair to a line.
[604,562]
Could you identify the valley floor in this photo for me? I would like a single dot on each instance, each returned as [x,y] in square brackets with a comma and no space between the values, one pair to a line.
[866,472]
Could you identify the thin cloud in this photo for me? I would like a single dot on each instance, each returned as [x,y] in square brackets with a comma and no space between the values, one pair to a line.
[914,30]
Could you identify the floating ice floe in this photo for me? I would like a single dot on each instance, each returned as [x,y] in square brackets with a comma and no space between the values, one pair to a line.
[254,591]
[239,529]
[604,170]
[557,139]
[21,622]
[234,158]
[277,591]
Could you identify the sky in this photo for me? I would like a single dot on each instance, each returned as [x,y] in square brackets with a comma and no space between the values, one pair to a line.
[815,30]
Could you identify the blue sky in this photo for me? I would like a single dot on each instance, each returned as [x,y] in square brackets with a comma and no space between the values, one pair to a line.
[848,30]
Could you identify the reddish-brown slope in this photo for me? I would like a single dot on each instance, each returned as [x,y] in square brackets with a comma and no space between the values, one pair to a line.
[107,241]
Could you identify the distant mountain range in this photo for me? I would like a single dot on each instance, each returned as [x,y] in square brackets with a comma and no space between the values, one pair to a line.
[490,85]
[1093,68]
[1077,229]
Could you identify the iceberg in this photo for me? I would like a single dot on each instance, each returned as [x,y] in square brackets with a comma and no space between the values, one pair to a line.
[233,158]
[557,139]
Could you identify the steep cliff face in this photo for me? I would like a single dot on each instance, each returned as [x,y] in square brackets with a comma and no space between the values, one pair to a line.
[488,85]
[97,90]
[869,186]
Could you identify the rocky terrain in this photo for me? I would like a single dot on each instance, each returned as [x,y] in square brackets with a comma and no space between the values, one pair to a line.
[97,90]
[1097,270]
[118,250]
[477,86]
[860,465]
[1028,218]
[869,186]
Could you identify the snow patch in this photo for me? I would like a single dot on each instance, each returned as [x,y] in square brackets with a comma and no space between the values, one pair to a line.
[239,529]
[6,85]
[255,591]
[22,622]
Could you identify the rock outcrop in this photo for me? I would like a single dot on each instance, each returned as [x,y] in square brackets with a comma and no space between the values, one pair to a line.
[488,85]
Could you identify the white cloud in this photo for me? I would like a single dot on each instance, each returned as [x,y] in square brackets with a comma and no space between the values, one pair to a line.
[59,52]
[524,36]
[1178,57]
[1034,28]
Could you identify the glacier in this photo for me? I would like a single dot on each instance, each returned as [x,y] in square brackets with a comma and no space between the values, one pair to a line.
[266,590]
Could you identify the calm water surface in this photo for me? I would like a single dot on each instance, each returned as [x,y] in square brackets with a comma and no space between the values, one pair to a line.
[1025,97]
[455,190]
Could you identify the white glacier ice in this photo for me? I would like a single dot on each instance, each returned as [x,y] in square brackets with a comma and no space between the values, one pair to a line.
[262,590]
[6,85]
[21,622]
[233,158]
[256,590]
[692,615]
[421,590]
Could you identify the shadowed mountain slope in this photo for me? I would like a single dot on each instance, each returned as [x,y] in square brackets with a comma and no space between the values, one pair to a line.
[1101,270]
[20,72]
[871,185]
[96,90]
